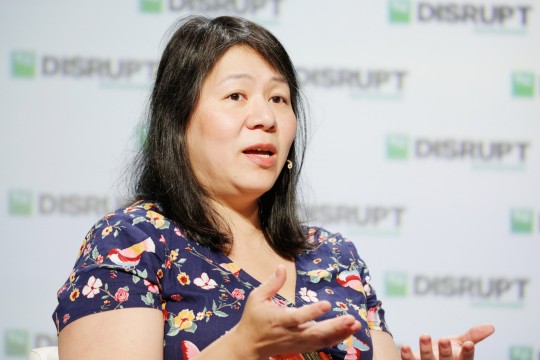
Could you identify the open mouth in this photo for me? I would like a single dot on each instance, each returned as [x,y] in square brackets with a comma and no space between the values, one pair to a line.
[259,152]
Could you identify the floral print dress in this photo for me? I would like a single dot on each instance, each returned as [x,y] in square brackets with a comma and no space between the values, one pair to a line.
[135,257]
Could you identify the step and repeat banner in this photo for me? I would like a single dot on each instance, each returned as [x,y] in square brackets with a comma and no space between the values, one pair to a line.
[424,148]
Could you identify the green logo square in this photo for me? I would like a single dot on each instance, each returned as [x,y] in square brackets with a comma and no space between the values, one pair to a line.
[521,353]
[397,146]
[521,221]
[399,11]
[16,342]
[151,6]
[396,284]
[523,84]
[20,202]
[23,64]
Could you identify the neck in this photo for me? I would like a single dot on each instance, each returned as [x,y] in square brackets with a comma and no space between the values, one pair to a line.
[242,218]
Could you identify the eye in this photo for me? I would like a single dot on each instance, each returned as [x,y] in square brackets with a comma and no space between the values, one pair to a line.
[278,100]
[236,96]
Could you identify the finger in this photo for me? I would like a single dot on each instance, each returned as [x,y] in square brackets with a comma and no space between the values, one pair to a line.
[426,348]
[477,333]
[332,331]
[406,352]
[445,350]
[271,286]
[293,317]
[467,351]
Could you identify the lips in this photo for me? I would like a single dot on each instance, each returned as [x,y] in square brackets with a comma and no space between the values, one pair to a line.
[261,154]
[261,149]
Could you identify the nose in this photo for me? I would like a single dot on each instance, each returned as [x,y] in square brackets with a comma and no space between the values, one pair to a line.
[261,115]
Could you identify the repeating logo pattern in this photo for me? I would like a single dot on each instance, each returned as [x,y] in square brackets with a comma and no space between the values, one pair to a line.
[107,71]
[521,353]
[23,64]
[522,221]
[396,284]
[523,84]
[23,202]
[382,220]
[478,291]
[479,154]
[493,17]
[247,7]
[401,145]
[372,83]
[17,342]
[151,6]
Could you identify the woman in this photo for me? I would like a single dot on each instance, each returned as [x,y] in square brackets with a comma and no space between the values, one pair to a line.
[211,261]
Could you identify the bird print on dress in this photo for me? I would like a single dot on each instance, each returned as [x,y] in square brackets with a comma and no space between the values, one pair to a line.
[130,256]
[351,279]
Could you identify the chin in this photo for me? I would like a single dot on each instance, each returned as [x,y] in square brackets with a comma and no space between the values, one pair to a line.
[257,188]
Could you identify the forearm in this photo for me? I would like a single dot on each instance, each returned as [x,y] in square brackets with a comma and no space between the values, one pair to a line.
[384,347]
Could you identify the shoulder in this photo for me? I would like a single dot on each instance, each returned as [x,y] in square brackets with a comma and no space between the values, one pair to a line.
[142,211]
[326,242]
[140,224]
[120,263]
[317,236]
[139,217]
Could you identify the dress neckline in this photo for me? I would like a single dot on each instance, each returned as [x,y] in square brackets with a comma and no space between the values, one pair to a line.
[234,269]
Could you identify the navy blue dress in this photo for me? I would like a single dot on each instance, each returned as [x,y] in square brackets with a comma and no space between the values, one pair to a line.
[135,257]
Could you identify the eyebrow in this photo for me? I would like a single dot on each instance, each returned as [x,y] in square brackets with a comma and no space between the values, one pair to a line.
[250,77]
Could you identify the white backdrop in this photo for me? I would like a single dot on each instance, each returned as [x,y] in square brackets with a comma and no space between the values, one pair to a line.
[424,147]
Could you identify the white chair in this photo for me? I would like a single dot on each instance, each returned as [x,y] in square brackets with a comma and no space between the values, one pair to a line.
[44,353]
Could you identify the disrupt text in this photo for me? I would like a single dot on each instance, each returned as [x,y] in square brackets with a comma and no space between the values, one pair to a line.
[232,6]
[80,67]
[477,14]
[52,204]
[362,216]
[468,149]
[451,286]
[353,78]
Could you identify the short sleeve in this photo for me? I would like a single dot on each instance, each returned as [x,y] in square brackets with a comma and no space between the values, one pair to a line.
[117,267]
[376,314]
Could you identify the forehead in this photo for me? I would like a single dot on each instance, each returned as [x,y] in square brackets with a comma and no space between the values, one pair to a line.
[242,60]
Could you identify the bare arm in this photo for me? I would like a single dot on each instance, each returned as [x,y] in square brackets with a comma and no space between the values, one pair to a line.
[134,333]
[384,347]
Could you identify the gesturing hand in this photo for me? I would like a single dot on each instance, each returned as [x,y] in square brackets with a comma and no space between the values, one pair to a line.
[449,348]
[267,329]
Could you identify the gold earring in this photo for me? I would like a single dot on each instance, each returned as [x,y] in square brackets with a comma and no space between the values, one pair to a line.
[289,164]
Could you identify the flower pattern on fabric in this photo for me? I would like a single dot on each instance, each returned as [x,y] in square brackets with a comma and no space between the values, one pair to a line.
[92,287]
[308,295]
[205,282]
[136,257]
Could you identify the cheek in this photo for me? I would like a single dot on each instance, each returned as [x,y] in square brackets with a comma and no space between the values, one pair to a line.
[211,146]
[218,125]
[290,129]
[209,131]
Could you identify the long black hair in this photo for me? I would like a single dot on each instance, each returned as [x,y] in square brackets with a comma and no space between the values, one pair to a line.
[163,172]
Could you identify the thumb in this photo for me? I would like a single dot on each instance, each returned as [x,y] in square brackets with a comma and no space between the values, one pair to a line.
[271,286]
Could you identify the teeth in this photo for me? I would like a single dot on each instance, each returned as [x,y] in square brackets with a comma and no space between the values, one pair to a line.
[261,152]
[265,153]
